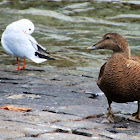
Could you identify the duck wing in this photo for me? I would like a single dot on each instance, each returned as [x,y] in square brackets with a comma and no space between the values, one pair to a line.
[102,70]
[101,74]
[135,58]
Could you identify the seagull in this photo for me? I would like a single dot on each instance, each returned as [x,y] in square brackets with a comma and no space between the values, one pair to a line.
[17,41]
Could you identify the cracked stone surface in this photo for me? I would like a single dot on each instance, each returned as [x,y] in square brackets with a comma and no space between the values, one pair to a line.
[66,106]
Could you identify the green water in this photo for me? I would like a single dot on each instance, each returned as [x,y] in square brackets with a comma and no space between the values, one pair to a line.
[67,28]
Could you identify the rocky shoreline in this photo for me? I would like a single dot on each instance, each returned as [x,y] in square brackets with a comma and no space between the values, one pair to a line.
[66,105]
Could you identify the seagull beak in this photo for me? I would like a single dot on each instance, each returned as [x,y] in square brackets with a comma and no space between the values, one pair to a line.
[25,31]
[92,47]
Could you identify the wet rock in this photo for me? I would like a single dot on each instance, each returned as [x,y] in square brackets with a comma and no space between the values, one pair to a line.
[118,130]
[55,79]
[53,117]
[74,116]
[94,95]
[82,132]
[120,125]
[9,134]
[27,138]
[80,110]
[87,76]
[120,136]
[58,112]
[63,136]
[35,132]
[80,125]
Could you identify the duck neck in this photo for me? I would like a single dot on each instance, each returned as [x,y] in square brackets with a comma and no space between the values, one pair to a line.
[123,49]
[126,53]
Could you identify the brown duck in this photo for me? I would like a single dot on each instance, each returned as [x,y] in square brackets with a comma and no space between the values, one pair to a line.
[119,77]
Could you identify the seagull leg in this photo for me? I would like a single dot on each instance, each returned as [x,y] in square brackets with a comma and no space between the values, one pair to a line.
[19,68]
[24,64]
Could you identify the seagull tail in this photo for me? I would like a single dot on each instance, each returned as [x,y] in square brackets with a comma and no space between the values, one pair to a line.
[44,56]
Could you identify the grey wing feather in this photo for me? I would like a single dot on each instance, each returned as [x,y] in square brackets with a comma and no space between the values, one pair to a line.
[40,51]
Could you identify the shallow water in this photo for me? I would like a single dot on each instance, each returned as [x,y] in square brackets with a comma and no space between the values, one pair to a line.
[67,28]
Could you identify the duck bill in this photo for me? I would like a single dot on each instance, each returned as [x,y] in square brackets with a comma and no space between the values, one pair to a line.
[92,47]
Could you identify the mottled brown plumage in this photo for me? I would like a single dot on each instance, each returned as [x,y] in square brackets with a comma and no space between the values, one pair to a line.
[119,77]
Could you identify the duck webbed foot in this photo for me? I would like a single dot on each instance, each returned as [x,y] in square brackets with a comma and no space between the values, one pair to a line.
[136,115]
[135,119]
[110,116]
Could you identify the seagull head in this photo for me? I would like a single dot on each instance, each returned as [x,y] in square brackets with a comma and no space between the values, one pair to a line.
[26,26]
[23,25]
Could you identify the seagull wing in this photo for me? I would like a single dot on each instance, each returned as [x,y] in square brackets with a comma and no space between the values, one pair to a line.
[40,50]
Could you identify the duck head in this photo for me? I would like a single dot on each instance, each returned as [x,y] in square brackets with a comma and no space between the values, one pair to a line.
[114,42]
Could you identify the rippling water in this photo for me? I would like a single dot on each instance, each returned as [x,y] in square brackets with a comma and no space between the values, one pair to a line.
[67,28]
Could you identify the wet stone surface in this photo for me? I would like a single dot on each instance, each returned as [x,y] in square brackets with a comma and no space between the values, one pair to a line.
[67,104]
[62,107]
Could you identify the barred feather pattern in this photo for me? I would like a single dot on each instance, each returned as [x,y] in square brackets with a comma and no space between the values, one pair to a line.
[119,77]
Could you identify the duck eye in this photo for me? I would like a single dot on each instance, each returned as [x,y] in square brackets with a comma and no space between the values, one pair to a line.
[107,37]
[29,29]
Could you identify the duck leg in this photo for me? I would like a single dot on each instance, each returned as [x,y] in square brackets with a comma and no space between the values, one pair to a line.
[110,115]
[136,116]
[19,68]
[136,113]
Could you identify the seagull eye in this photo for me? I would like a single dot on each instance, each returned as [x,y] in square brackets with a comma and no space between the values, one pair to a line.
[29,29]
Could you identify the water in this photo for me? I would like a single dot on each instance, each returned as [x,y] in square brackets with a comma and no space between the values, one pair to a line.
[67,28]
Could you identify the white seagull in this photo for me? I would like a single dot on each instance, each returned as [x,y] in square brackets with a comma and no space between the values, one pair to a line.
[17,41]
